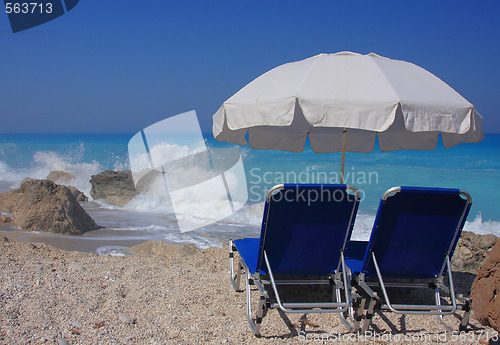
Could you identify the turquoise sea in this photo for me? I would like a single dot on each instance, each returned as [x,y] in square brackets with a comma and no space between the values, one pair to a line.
[471,167]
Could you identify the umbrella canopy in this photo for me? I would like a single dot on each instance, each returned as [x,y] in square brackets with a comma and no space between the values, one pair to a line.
[342,102]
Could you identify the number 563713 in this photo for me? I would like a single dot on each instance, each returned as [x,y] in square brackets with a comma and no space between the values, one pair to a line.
[28,7]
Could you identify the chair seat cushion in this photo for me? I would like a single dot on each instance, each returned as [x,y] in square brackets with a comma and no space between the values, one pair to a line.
[249,250]
[354,255]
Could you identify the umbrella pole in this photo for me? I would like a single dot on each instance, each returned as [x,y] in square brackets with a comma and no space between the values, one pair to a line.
[342,164]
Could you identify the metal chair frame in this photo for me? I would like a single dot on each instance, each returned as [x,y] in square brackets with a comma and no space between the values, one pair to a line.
[342,294]
[437,284]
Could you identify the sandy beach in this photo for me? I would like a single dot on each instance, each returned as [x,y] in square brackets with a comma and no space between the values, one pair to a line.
[48,294]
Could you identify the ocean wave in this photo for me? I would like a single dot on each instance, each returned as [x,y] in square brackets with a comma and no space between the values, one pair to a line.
[362,227]
[364,223]
[199,241]
[145,228]
[8,174]
[112,251]
[148,203]
[160,153]
[482,227]
[47,161]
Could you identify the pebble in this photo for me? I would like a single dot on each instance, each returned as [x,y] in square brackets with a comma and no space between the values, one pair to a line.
[76,267]
[75,324]
[62,341]
[126,319]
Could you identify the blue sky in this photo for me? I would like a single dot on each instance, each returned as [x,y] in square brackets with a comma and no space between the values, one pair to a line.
[119,66]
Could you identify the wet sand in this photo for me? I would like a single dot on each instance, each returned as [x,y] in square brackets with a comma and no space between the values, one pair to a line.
[88,242]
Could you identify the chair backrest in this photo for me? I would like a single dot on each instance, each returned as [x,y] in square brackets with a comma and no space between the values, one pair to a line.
[414,230]
[305,227]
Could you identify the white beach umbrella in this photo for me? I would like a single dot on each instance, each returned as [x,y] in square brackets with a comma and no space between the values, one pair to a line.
[342,102]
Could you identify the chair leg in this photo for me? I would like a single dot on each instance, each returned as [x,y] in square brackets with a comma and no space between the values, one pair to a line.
[465,319]
[235,283]
[374,301]
[358,306]
[342,281]
[238,277]
[235,278]
[341,315]
[260,314]
[249,302]
[445,325]
[369,314]
[338,298]
[261,308]
[437,297]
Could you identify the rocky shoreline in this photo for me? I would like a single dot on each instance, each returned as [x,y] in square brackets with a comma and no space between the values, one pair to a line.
[45,205]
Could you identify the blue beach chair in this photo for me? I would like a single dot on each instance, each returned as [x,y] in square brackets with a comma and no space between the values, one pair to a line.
[411,245]
[305,229]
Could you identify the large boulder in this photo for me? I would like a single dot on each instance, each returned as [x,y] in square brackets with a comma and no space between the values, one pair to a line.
[116,187]
[485,291]
[471,251]
[79,196]
[60,177]
[42,205]
[8,200]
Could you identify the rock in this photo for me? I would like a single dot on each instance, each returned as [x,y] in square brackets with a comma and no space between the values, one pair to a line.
[8,200]
[76,267]
[79,196]
[62,341]
[27,179]
[5,219]
[461,256]
[163,248]
[116,187]
[148,181]
[126,319]
[64,178]
[75,324]
[41,205]
[485,291]
[60,177]
[471,251]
